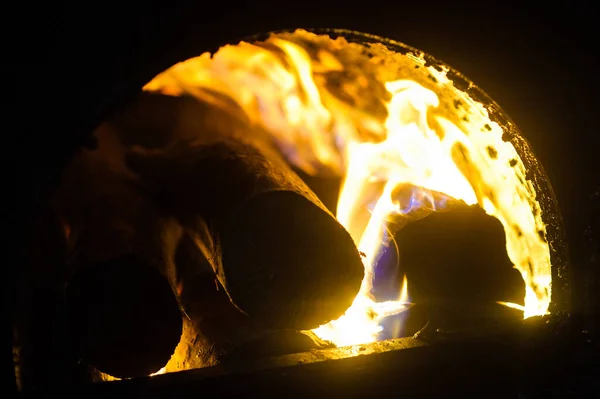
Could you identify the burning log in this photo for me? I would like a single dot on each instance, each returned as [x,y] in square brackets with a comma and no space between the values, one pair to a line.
[326,188]
[212,324]
[458,269]
[280,255]
[43,356]
[215,331]
[123,314]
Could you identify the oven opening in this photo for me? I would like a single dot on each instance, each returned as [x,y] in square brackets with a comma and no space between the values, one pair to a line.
[323,192]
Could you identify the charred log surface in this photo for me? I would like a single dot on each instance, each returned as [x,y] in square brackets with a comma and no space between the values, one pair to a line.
[150,121]
[215,331]
[45,357]
[212,324]
[278,252]
[326,188]
[123,313]
[124,317]
[277,343]
[457,269]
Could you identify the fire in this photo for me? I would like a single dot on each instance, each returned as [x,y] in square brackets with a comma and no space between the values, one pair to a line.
[106,377]
[159,372]
[386,123]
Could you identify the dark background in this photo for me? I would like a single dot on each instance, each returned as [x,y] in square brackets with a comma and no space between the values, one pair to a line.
[70,62]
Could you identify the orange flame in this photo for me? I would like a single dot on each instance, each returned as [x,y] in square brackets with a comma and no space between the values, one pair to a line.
[108,377]
[319,99]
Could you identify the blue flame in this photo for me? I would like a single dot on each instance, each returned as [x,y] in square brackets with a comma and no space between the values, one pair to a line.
[421,198]
[409,199]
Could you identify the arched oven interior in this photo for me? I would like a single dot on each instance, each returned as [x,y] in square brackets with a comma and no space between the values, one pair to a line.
[303,196]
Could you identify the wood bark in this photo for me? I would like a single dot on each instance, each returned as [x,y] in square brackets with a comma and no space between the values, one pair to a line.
[280,255]
[215,331]
[123,313]
[457,269]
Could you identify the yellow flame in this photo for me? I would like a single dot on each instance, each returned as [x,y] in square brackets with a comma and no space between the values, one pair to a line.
[512,305]
[159,372]
[108,377]
[319,100]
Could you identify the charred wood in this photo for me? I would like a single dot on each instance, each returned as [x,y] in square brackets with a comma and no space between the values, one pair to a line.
[122,310]
[457,269]
[215,331]
[280,255]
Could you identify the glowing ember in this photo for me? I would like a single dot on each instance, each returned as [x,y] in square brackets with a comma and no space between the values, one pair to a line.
[383,121]
[107,377]
[159,372]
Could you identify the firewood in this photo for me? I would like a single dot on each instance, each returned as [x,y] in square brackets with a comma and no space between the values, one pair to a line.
[123,313]
[212,324]
[457,269]
[215,331]
[327,188]
[44,356]
[280,255]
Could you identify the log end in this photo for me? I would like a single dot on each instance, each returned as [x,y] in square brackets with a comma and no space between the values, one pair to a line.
[297,268]
[124,317]
[457,267]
